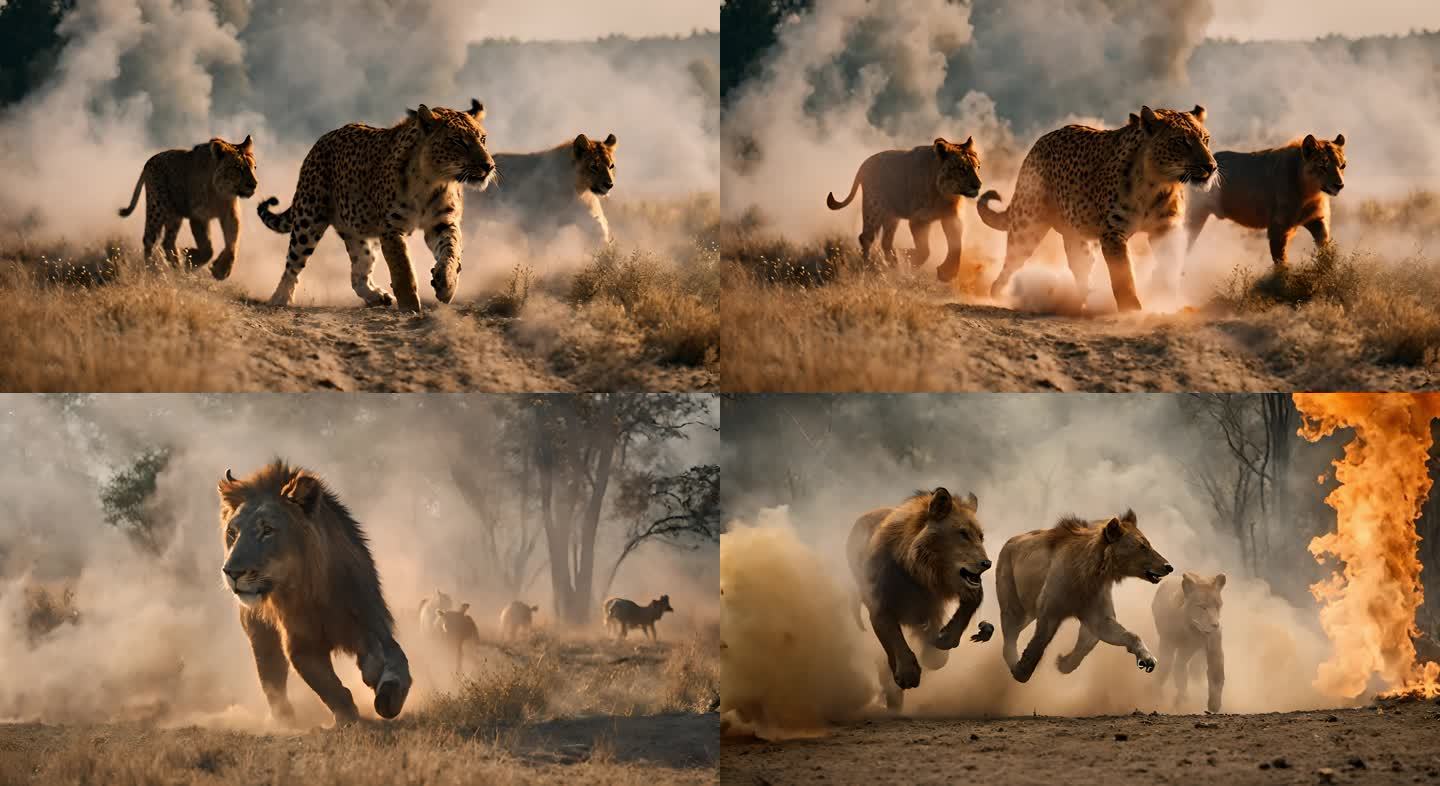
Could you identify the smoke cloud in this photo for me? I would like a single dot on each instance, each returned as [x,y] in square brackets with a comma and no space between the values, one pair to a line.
[850,78]
[139,76]
[158,636]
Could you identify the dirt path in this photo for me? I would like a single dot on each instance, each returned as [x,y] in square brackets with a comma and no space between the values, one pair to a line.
[1398,745]
[445,349]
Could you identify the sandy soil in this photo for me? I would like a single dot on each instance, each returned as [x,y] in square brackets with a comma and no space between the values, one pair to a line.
[1372,746]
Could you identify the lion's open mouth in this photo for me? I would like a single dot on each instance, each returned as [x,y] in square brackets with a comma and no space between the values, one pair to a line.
[969,577]
[1153,577]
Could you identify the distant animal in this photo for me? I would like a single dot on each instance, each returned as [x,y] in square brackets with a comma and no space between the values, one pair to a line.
[300,567]
[44,612]
[562,186]
[385,183]
[921,185]
[457,628]
[1091,184]
[429,612]
[1187,617]
[1278,190]
[203,183]
[516,618]
[908,562]
[1047,576]
[627,614]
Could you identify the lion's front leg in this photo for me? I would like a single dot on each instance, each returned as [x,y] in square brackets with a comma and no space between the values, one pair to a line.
[385,669]
[1114,245]
[402,275]
[904,666]
[443,238]
[270,662]
[315,668]
[949,636]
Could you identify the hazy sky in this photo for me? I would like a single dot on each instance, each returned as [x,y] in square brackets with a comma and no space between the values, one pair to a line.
[1301,19]
[572,19]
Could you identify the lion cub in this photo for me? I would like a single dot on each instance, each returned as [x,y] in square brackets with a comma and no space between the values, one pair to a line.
[517,618]
[1187,616]
[908,562]
[1050,575]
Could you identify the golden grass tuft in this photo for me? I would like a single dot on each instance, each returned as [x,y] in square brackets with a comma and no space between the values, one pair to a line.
[100,320]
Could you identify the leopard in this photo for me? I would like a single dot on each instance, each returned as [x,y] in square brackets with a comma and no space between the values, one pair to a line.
[198,185]
[385,183]
[1091,184]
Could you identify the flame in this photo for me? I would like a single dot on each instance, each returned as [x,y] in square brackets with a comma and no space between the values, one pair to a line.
[1369,608]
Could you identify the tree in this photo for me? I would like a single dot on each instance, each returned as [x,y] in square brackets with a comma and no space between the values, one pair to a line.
[680,510]
[579,445]
[31,32]
[749,32]
[126,500]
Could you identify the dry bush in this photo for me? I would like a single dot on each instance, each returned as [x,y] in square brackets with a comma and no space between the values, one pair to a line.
[676,307]
[1389,306]
[99,319]
[503,693]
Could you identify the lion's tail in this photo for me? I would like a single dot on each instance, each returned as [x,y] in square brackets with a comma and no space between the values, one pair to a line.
[993,218]
[830,200]
[277,222]
[134,196]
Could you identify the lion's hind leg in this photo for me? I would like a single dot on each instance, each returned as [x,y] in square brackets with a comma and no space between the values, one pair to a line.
[315,668]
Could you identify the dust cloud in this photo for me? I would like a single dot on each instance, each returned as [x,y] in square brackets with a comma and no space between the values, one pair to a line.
[139,76]
[850,78]
[158,637]
[1029,459]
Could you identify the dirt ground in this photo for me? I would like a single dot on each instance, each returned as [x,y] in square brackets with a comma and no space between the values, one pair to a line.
[1371,746]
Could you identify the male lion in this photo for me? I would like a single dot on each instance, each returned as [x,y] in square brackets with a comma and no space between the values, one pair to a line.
[908,562]
[516,618]
[558,187]
[1105,184]
[921,185]
[385,183]
[300,567]
[1050,575]
[1278,190]
[1187,617]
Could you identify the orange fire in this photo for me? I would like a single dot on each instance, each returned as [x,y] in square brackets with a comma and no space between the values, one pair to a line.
[1369,607]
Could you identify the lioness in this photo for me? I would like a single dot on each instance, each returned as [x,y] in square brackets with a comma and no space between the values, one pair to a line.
[1187,617]
[429,612]
[299,565]
[515,618]
[920,186]
[1278,190]
[1050,575]
[908,562]
[562,186]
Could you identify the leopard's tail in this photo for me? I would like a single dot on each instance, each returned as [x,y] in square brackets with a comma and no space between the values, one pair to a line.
[993,218]
[277,222]
[134,197]
[830,200]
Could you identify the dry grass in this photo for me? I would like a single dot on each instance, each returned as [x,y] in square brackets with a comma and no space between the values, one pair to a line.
[1390,307]
[675,307]
[549,710]
[98,320]
[814,317]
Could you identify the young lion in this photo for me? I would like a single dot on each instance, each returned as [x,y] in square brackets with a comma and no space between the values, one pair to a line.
[908,562]
[1050,575]
[203,183]
[1278,190]
[921,185]
[558,187]
[457,629]
[1105,184]
[1187,617]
